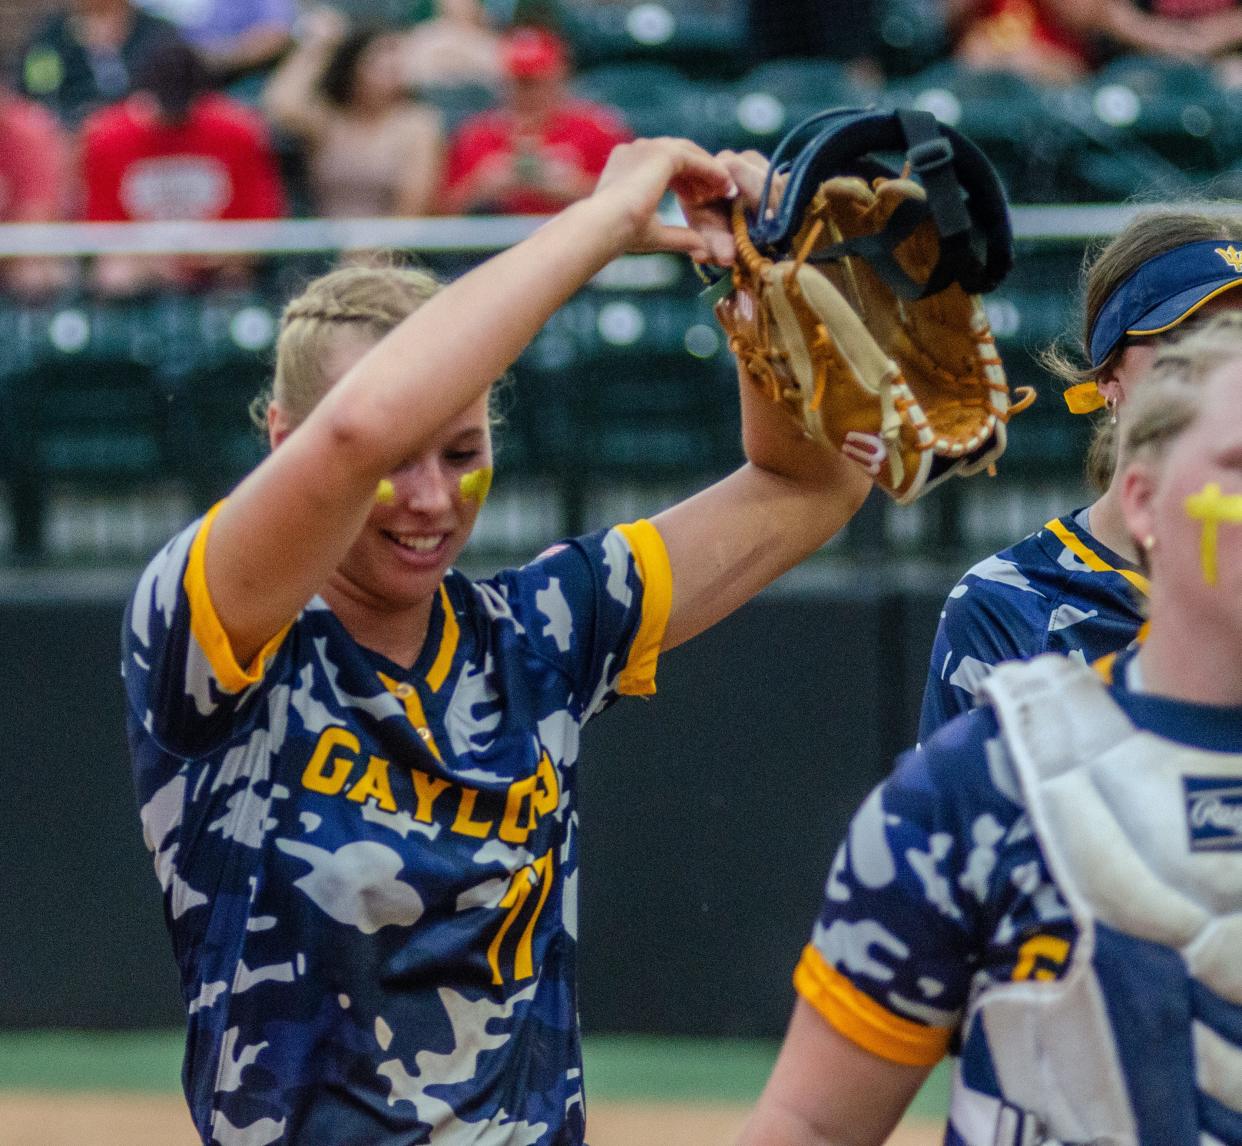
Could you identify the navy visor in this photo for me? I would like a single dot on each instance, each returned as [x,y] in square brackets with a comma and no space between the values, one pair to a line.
[1164,291]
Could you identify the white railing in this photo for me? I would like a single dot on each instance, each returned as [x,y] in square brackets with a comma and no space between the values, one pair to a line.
[480,234]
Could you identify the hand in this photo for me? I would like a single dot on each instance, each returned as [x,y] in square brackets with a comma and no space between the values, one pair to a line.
[713,220]
[637,175]
[322,26]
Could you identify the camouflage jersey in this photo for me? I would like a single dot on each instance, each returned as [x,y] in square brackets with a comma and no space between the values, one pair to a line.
[943,892]
[370,871]
[1057,591]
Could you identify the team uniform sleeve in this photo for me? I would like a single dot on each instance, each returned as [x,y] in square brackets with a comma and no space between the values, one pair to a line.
[903,922]
[182,682]
[983,623]
[597,608]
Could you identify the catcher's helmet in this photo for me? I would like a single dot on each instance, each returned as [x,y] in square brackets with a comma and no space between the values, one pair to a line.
[965,199]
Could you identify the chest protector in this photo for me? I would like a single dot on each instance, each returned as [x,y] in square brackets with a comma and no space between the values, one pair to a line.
[1139,1042]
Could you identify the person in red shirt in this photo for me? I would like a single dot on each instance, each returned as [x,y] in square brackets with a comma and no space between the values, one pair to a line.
[34,188]
[175,151]
[541,149]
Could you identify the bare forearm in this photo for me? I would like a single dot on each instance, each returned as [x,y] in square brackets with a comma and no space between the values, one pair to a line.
[456,345]
[254,47]
[773,1125]
[775,443]
[290,98]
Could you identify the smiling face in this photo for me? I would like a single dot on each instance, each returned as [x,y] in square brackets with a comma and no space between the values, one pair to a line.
[410,539]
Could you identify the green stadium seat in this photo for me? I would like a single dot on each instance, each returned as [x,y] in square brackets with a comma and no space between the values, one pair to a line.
[652,97]
[86,408]
[705,43]
[774,96]
[1174,108]
[228,342]
[1004,114]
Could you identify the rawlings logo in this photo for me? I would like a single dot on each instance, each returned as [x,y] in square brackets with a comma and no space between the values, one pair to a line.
[1231,256]
[1213,813]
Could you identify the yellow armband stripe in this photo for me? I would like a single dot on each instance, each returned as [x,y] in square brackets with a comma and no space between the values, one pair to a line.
[1094,561]
[205,624]
[651,560]
[862,1020]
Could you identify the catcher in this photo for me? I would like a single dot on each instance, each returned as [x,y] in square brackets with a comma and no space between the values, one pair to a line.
[855,304]
[1050,888]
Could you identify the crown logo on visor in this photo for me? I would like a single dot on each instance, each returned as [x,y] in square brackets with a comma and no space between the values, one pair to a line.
[1231,256]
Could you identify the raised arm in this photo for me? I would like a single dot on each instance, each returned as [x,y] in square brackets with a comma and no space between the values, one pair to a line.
[732,539]
[277,539]
[291,99]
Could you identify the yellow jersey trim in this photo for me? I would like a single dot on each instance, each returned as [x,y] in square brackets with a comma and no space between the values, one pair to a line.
[450,634]
[205,624]
[862,1020]
[1186,313]
[651,560]
[1093,560]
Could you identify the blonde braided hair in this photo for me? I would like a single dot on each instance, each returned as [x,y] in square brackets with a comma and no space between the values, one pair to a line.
[368,298]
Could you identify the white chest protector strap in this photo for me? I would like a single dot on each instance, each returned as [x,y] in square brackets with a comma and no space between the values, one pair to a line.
[1112,808]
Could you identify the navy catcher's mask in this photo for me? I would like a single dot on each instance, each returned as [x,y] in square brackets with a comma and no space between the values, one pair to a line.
[965,199]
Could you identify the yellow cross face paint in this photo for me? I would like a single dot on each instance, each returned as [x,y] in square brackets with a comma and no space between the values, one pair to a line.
[476,485]
[385,494]
[1212,507]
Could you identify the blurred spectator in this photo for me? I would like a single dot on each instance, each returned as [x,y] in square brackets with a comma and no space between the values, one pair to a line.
[541,149]
[175,151]
[371,150]
[1185,29]
[34,188]
[455,47]
[1031,38]
[233,37]
[1062,40]
[82,57]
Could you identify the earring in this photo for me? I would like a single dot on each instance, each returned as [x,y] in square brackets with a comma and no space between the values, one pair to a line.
[1149,543]
[1110,404]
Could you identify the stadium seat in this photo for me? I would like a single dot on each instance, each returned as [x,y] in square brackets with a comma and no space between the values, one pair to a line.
[1174,108]
[774,96]
[87,407]
[653,98]
[649,404]
[1003,114]
[705,43]
[228,342]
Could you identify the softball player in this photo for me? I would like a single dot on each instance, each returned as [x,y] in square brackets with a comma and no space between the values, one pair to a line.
[1074,586]
[357,767]
[1049,888]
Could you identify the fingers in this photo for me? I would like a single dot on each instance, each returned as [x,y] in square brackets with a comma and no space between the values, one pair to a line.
[747,170]
[678,240]
[698,176]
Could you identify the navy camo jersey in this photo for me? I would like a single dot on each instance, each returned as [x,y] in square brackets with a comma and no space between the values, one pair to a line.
[370,872]
[1057,591]
[941,888]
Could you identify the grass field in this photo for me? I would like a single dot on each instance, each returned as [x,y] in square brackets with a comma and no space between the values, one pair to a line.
[78,1089]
